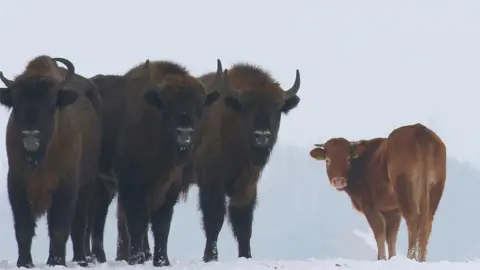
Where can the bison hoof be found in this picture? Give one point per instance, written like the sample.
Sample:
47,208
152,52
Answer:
138,258
55,260
161,261
25,264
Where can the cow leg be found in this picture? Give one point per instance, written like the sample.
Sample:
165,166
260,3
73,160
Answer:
377,223
136,216
102,202
212,204
123,238
24,223
161,220
409,208
59,219
392,220
78,229
241,219
88,250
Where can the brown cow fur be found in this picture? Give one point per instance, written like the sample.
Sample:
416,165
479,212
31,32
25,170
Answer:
66,167
226,163
402,175
147,156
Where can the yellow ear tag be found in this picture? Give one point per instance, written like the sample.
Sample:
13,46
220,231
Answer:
355,156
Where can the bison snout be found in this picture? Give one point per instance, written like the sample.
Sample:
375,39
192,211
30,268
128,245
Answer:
339,182
184,136
31,140
262,137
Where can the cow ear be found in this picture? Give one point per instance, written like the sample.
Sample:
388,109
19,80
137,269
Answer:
65,98
211,98
357,149
233,103
318,153
152,97
290,104
6,97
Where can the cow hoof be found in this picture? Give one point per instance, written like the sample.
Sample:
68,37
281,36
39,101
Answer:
148,256
56,261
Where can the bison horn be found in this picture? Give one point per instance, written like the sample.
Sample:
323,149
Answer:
228,88
296,86
6,81
214,86
70,69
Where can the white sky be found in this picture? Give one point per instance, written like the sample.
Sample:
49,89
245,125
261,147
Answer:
366,66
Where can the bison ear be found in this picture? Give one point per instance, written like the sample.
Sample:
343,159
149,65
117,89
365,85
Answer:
211,98
6,97
290,104
357,149
152,97
233,103
65,98
318,153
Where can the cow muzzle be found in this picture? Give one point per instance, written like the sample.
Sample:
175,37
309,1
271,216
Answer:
339,182
31,140
184,137
262,137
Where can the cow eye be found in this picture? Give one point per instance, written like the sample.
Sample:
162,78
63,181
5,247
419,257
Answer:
327,160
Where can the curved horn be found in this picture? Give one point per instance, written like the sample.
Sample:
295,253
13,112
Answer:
227,88
6,81
70,69
217,83
294,89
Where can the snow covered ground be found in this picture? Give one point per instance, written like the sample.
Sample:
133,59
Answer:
393,264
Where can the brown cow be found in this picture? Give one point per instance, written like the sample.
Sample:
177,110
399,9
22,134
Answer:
53,147
236,137
161,107
386,178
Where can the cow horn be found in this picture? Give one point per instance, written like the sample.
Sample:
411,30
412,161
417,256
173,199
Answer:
228,88
70,69
320,145
296,86
6,81
218,79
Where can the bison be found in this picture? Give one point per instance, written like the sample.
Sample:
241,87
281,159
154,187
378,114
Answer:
111,89
53,147
387,178
159,107
236,137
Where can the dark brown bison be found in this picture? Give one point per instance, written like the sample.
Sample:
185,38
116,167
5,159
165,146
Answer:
53,147
386,178
236,137
112,91
157,107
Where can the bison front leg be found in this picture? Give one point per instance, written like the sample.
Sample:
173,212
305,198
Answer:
136,216
103,200
59,219
377,223
161,220
24,223
79,226
212,204
240,209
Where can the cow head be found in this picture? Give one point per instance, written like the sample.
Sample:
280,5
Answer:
260,102
181,99
338,154
34,99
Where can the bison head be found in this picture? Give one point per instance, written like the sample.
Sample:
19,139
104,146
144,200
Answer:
338,154
34,101
181,99
260,103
